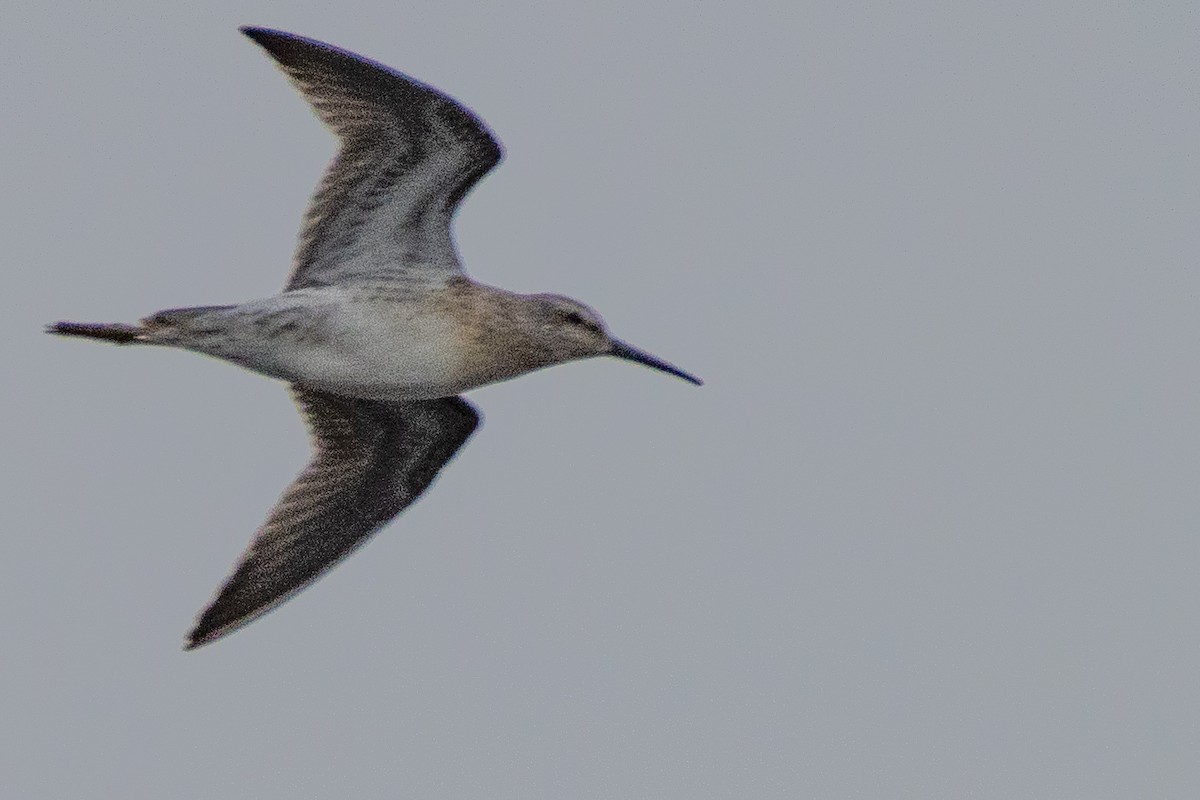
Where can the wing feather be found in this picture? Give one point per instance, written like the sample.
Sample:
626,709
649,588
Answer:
409,153
371,460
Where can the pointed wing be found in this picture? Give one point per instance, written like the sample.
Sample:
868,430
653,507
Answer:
372,459
408,156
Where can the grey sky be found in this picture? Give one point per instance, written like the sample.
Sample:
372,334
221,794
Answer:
929,530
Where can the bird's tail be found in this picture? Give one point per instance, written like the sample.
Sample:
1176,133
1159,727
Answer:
174,326
115,332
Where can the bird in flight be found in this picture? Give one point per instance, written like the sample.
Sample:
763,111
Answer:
378,330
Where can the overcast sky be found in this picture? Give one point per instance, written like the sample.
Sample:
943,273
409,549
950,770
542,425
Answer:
929,530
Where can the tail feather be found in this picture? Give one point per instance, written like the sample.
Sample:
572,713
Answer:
116,332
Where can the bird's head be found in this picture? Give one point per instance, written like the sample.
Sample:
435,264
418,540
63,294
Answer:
569,330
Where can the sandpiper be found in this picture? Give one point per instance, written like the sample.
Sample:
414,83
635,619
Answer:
378,329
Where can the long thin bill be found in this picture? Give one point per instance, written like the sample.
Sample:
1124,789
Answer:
630,353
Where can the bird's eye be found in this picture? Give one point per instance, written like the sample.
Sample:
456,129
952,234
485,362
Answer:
576,319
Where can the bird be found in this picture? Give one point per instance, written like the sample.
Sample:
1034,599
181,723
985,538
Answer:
378,331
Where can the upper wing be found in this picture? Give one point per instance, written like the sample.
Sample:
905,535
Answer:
409,153
372,460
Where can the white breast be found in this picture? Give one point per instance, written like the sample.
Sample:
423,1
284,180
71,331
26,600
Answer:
387,350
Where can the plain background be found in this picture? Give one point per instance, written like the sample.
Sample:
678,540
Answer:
929,530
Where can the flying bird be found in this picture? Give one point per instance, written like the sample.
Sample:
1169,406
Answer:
378,330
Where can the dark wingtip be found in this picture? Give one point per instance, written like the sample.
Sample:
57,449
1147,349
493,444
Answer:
281,44
259,34
193,642
215,622
204,632
271,40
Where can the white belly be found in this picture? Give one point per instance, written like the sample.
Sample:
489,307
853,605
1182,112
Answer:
379,354
327,339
